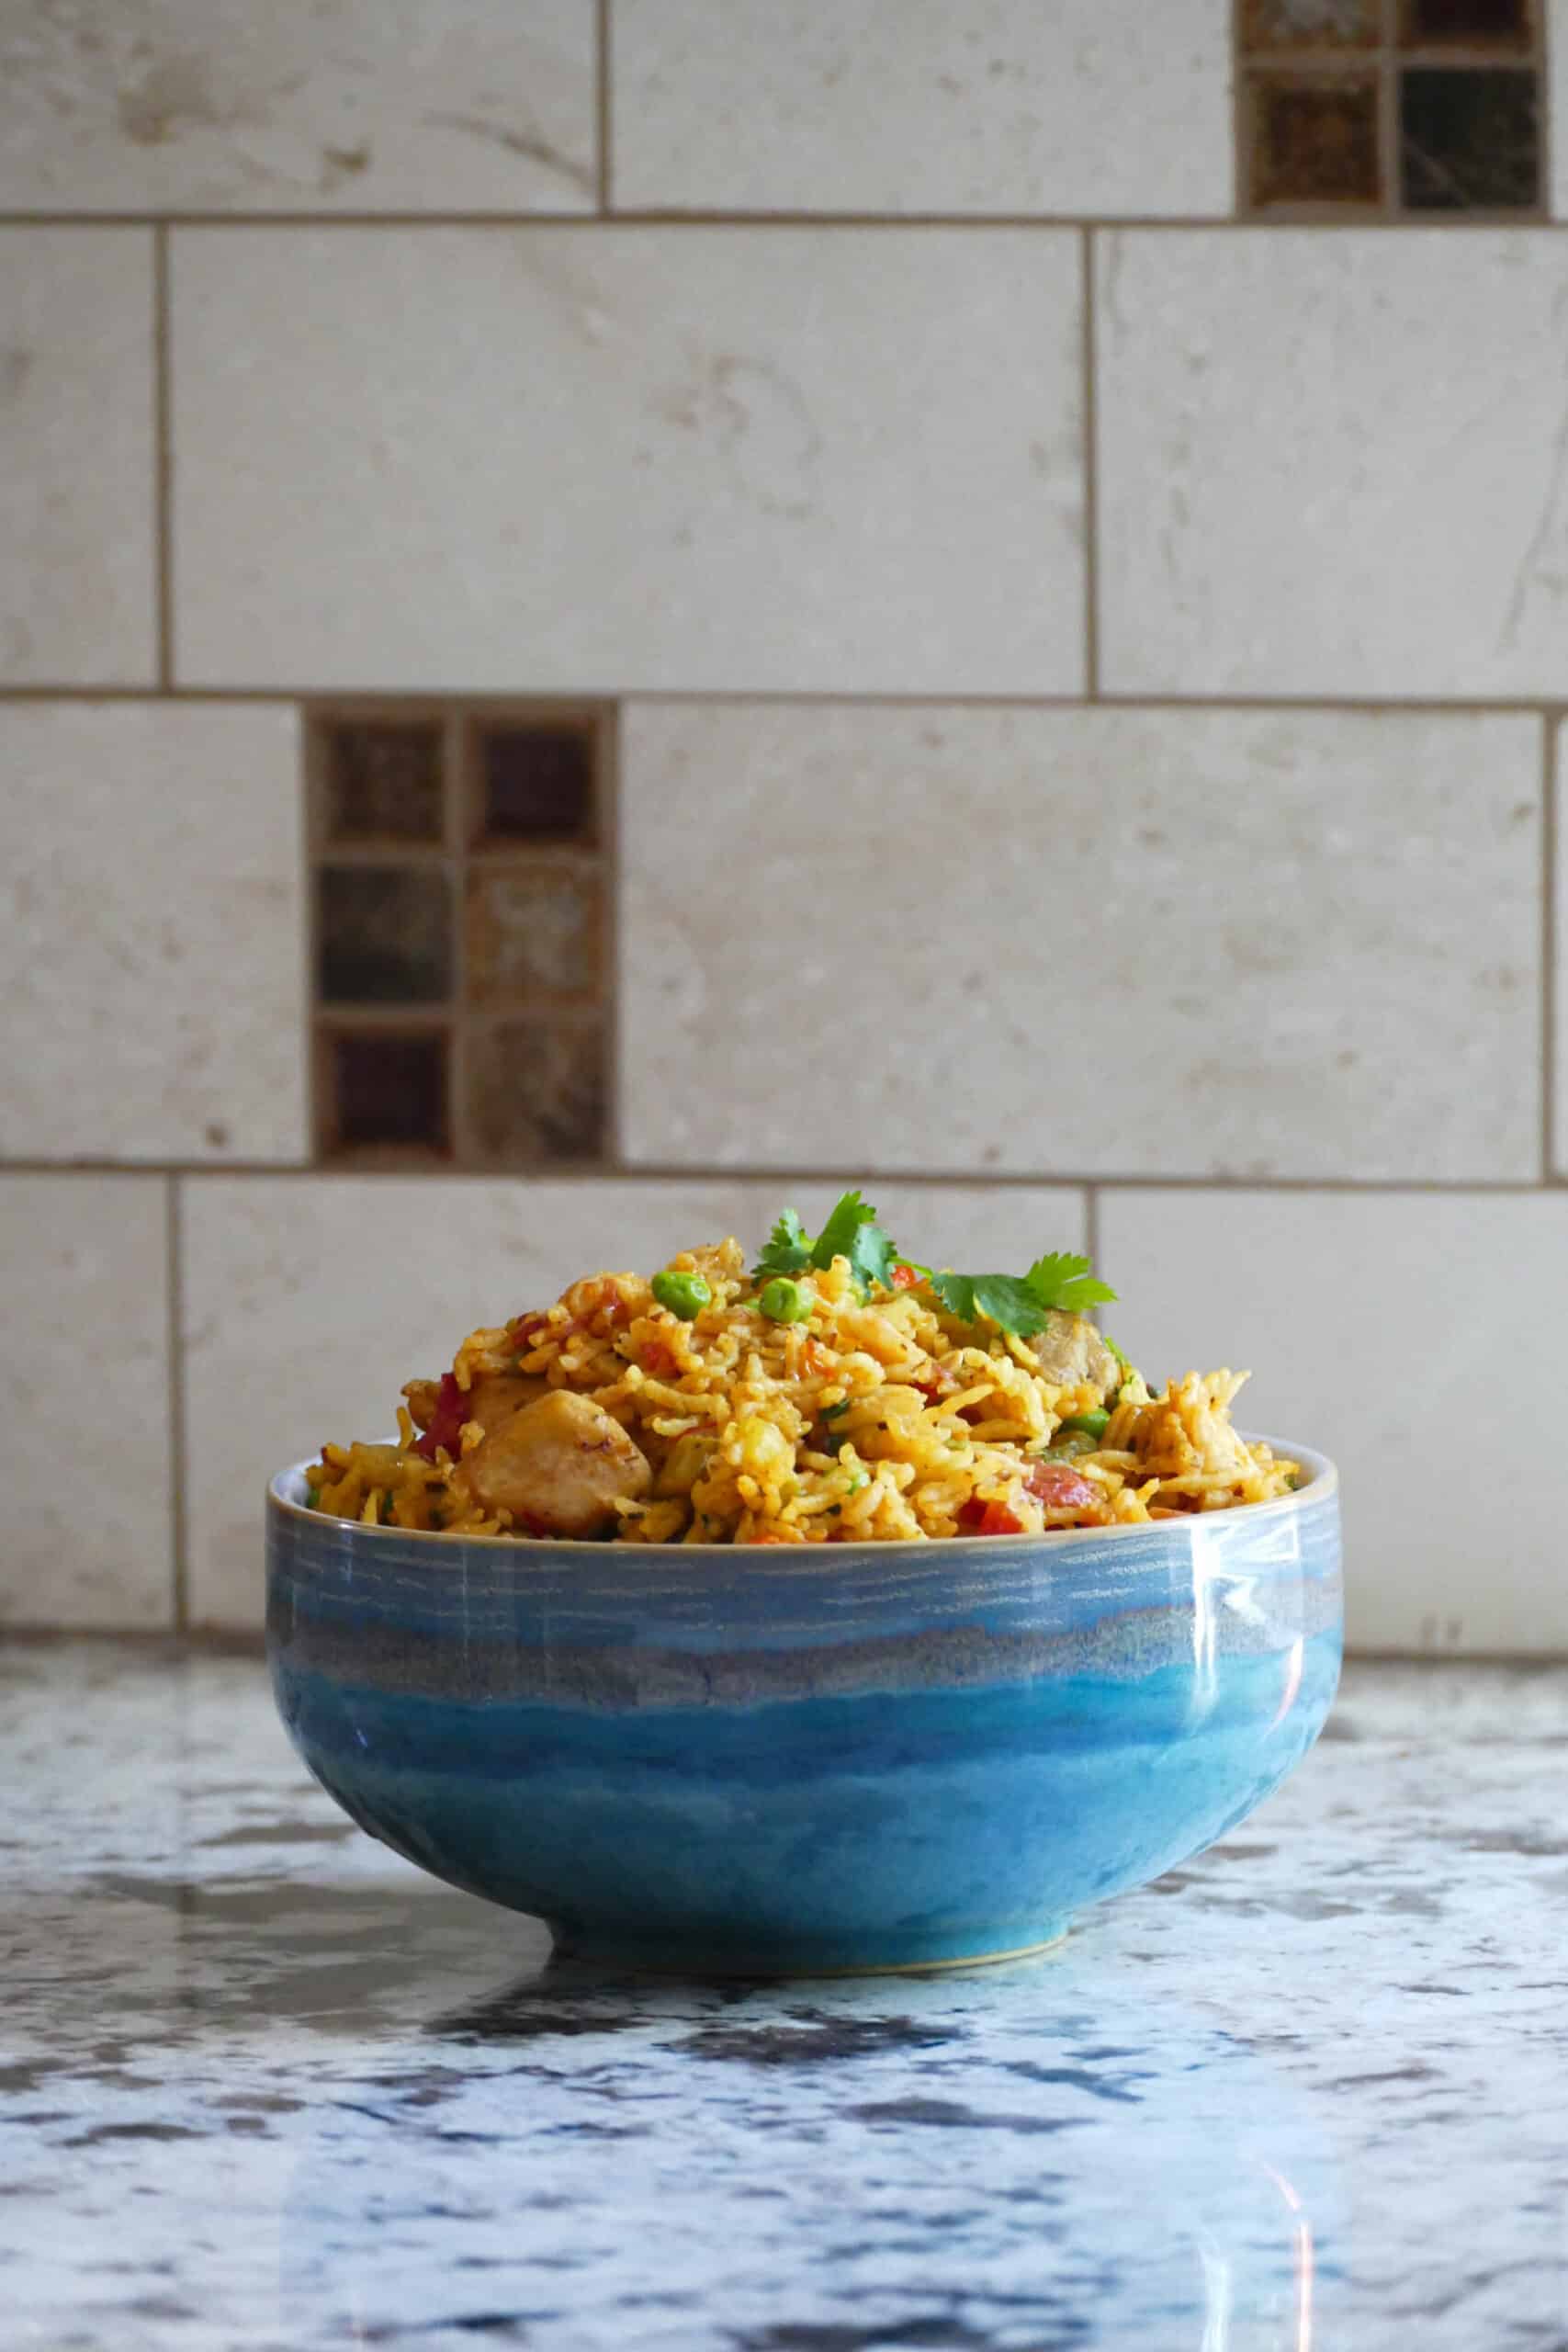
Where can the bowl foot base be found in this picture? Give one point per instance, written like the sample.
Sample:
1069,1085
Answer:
639,1955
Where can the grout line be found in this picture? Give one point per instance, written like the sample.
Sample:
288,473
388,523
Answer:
709,1172
526,701
602,101
612,971
1549,951
162,460
1386,65
1090,432
1241,103
179,1564
1454,224
1091,1224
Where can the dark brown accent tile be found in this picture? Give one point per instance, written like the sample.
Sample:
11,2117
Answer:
387,1089
384,934
536,1092
1468,139
537,781
1311,24
531,928
383,780
1475,24
1313,140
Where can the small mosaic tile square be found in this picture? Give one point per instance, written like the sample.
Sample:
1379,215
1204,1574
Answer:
1314,139
383,781
536,1093
1311,24
1476,24
387,1090
384,934
537,782
1468,139
532,928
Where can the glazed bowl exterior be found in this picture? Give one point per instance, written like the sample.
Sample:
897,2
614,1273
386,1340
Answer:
773,1761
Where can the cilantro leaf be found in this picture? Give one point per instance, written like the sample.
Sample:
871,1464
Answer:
839,1234
873,1256
1059,1282
1064,1281
1002,1298
788,1248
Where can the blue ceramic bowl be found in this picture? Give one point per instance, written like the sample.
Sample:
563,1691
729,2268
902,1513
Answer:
775,1762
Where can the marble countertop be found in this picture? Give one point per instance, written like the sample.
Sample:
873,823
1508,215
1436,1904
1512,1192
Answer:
263,2086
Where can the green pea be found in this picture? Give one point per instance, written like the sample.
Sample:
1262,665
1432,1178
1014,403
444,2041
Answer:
1094,1423
782,1301
312,1498
684,1294
1067,1449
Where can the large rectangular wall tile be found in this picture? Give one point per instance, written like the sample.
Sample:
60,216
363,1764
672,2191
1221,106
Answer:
1332,465
1082,942
84,1278
362,105
294,1333
568,459
931,106
152,932
1415,1337
78,589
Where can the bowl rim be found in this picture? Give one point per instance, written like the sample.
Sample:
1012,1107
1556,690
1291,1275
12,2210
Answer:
1323,1483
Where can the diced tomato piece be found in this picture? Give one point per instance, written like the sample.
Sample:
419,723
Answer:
1060,1489
525,1331
658,1359
989,1518
935,1383
904,1277
446,1422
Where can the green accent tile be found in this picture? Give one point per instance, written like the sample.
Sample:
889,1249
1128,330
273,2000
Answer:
383,934
1468,139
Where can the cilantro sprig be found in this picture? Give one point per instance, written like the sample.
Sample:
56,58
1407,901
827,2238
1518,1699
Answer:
1060,1282
851,1232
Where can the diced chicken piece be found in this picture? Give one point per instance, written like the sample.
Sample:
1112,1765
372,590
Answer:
1070,1350
495,1396
558,1466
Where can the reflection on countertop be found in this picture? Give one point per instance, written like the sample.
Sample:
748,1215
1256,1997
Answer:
264,2086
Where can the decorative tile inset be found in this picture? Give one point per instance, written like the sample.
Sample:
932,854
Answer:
536,1093
1311,24
1468,139
462,872
1314,139
388,1087
532,927
1478,24
383,780
536,782
384,934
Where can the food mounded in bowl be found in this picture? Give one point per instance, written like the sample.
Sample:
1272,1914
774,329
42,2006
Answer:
835,1614
791,1759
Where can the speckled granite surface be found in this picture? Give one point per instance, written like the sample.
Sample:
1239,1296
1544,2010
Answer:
263,2086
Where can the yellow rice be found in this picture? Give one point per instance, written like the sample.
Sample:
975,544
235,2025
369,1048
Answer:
878,1418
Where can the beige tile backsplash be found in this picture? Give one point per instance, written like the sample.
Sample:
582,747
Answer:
1328,464
1084,675
78,571
1300,944
930,106
832,460
302,106
85,1277
152,932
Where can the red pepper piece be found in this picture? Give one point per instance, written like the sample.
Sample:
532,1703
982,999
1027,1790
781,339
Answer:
446,1422
1060,1489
